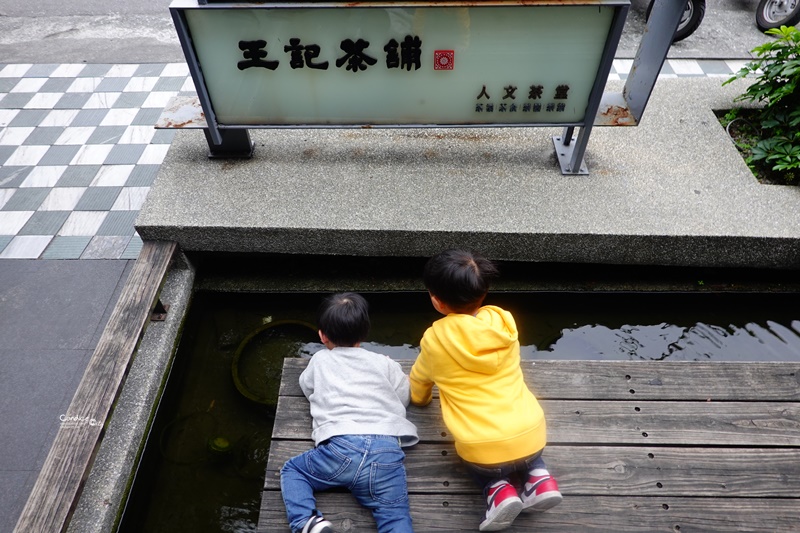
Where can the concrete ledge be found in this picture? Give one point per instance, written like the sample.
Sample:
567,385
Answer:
106,488
672,191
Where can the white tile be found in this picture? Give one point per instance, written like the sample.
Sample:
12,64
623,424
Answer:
59,117
67,70
119,117
43,176
153,154
75,135
5,194
12,221
14,136
101,101
667,76
140,84
614,77
175,69
83,223
121,71
27,156
43,101
26,247
158,99
84,85
6,116
28,85
188,86
623,66
62,199
686,67
130,199
736,64
137,135
112,176
15,71
92,154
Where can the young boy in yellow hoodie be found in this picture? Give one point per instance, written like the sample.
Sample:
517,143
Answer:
472,355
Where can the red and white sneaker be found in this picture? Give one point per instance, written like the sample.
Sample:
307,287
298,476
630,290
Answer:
503,506
540,492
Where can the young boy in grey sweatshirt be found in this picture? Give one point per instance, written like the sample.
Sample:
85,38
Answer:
358,405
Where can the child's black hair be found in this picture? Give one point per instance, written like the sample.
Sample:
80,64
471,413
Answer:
344,318
459,278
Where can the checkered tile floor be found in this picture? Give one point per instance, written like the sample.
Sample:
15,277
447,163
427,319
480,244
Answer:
79,152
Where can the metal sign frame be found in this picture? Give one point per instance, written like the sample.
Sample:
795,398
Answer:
233,140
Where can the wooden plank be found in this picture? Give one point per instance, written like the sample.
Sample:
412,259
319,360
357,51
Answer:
622,380
449,512
70,456
607,471
613,422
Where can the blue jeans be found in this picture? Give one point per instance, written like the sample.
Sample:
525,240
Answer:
370,466
515,471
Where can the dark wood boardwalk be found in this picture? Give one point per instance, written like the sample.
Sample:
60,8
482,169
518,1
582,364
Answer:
636,446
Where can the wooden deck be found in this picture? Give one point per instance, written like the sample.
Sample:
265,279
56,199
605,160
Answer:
636,446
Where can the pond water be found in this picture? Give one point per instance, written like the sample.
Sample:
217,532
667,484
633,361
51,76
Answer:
204,463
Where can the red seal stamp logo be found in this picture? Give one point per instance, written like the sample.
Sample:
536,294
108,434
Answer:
443,59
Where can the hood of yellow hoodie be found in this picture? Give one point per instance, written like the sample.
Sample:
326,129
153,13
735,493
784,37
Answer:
478,343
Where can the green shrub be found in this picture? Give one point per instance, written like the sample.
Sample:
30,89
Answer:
777,76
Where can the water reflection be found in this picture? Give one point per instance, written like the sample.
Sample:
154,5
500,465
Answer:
701,342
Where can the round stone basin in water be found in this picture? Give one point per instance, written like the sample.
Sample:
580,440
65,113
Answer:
204,463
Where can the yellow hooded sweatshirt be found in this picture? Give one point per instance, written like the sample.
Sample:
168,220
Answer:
474,360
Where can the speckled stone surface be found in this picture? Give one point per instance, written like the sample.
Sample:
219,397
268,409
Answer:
671,191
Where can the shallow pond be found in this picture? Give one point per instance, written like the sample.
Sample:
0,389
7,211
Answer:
204,464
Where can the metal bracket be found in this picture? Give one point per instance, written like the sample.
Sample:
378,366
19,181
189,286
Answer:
159,313
235,143
565,146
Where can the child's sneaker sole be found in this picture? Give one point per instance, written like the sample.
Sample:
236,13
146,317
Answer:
544,501
503,515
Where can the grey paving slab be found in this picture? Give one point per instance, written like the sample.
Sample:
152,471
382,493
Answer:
78,176
54,305
169,84
133,248
15,100
41,70
89,117
45,135
55,85
130,100
59,155
72,101
15,485
26,199
98,199
119,223
146,117
4,240
44,223
28,117
112,84
62,247
125,154
150,70
36,388
5,153
106,135
142,175
11,177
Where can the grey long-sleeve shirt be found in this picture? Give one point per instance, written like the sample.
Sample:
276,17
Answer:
353,391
